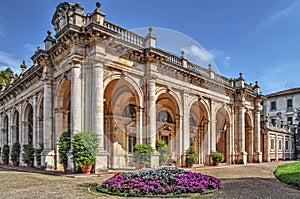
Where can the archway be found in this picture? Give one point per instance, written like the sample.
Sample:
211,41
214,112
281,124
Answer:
122,121
28,124
15,127
198,121
40,121
249,137
223,133
168,124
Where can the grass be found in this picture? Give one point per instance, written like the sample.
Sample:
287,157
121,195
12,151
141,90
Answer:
289,174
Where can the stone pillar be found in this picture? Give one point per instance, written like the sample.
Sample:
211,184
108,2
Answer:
207,142
76,78
47,161
139,125
180,153
185,123
257,148
34,123
243,153
98,116
213,128
276,148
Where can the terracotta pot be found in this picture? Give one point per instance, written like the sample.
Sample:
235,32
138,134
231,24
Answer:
86,169
5,163
141,166
65,168
217,163
15,163
191,165
29,164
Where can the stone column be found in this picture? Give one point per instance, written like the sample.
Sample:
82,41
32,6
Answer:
258,153
243,153
180,159
276,148
207,142
47,161
98,116
76,79
185,123
139,125
213,128
1,136
34,123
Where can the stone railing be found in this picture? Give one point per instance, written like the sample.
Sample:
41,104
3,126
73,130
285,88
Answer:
222,79
198,69
125,35
248,87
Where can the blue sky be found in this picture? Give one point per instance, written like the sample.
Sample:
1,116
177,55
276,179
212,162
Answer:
257,37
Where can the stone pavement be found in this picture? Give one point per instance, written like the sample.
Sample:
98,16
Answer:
239,181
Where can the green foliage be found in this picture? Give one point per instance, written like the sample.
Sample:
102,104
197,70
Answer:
38,154
85,148
289,174
191,155
142,154
28,153
5,76
15,151
162,148
5,153
64,147
217,157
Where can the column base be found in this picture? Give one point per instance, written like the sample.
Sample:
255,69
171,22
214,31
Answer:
242,158
155,159
101,162
48,159
258,157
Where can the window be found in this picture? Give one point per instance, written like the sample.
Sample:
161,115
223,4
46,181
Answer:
164,116
290,120
131,143
280,145
166,139
193,121
287,145
290,103
272,144
273,121
273,105
129,111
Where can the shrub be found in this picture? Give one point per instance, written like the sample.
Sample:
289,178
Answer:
85,148
142,154
5,153
15,151
162,148
64,147
28,153
191,155
217,157
38,154
162,181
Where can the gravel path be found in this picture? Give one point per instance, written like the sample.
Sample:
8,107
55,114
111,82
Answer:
251,181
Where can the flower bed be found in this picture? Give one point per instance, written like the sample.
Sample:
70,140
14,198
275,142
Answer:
162,181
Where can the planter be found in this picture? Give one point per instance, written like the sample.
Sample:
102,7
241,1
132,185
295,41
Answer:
15,163
86,169
65,168
5,163
190,165
217,163
141,166
29,164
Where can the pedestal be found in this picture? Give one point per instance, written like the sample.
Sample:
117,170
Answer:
101,162
258,157
155,160
48,160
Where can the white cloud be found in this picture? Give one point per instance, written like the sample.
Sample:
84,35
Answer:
9,60
197,53
32,47
279,15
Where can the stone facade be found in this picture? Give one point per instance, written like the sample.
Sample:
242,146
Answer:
97,76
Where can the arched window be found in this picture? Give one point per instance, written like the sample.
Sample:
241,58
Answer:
164,116
192,121
129,111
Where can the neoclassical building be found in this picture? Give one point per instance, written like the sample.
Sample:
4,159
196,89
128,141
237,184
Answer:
96,76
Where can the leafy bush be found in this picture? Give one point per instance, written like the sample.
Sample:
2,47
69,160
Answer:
142,154
64,147
5,153
162,181
191,155
217,157
38,154
85,148
28,153
15,151
162,148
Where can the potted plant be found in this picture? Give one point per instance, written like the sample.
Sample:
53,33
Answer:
85,148
64,144
162,148
142,155
28,154
15,153
217,157
38,154
191,156
5,154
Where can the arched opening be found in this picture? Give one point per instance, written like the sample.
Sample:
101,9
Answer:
198,130
167,124
223,133
249,137
5,130
40,125
28,124
15,127
121,125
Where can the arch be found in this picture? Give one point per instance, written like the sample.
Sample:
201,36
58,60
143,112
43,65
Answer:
223,129
63,94
174,95
28,124
203,103
121,125
15,127
249,136
198,135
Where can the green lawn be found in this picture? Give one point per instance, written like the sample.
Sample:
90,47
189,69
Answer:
289,174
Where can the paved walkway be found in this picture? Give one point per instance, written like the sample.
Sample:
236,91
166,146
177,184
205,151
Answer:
251,181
